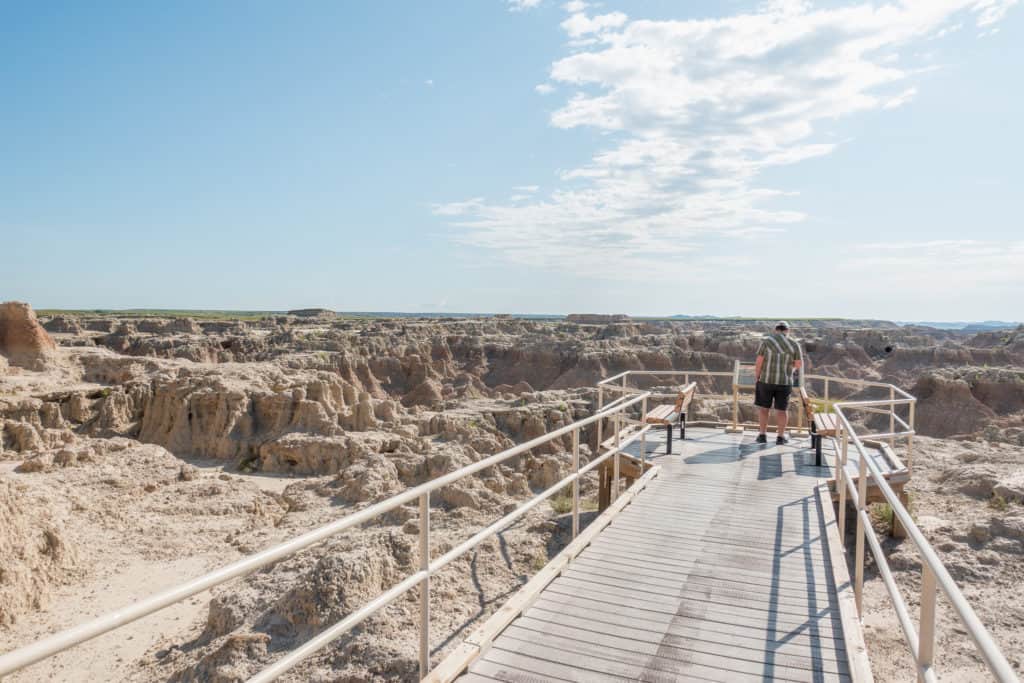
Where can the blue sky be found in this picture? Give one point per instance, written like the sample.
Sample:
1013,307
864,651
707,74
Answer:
760,158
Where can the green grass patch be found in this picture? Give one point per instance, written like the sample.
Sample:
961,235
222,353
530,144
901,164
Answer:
997,502
824,405
881,516
561,502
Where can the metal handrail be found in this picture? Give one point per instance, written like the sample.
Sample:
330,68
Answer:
41,649
933,573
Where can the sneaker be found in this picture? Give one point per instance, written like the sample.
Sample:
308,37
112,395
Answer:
761,438
781,441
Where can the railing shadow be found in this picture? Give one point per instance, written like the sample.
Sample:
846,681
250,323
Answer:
819,607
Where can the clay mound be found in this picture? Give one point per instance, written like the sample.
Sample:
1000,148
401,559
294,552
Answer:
428,393
946,407
22,339
34,553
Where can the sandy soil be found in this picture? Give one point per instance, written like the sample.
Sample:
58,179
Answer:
114,656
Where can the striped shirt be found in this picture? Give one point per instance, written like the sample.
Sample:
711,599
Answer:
779,352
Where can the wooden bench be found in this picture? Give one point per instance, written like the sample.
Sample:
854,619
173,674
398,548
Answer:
821,425
669,414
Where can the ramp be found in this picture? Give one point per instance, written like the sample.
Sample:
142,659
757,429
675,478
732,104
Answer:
721,569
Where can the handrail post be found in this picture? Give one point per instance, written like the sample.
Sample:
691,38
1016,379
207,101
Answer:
425,585
643,434
826,388
615,475
576,483
926,639
910,438
862,495
600,405
841,483
892,416
735,407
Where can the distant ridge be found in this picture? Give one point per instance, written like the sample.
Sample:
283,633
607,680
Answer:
982,326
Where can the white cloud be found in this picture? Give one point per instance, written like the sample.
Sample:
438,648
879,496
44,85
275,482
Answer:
545,89
939,265
901,99
429,82
579,24
992,11
521,5
694,110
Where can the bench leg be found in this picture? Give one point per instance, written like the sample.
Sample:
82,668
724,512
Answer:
816,438
604,489
668,438
898,530
682,425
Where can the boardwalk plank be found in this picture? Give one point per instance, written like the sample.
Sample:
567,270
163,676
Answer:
617,618
676,648
691,587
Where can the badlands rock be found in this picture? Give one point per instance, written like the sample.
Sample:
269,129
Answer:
22,339
63,325
946,407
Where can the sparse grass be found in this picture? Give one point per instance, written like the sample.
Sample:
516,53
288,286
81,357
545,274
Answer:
823,405
997,502
561,502
539,562
881,516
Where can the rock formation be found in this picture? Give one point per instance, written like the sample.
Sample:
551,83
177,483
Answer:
22,339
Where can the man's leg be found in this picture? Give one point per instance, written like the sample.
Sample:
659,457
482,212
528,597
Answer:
763,417
781,416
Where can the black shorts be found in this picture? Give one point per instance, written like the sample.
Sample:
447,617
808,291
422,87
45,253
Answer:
765,395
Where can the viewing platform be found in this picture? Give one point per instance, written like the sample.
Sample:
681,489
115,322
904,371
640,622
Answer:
725,566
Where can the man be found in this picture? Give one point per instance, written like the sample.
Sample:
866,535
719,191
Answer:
777,358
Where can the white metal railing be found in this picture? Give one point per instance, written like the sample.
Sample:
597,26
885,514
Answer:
41,649
934,575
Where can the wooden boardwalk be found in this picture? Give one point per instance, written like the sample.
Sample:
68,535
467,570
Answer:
719,570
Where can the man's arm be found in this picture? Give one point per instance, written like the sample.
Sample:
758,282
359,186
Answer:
757,368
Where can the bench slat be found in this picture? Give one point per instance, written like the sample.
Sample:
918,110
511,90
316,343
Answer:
825,423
